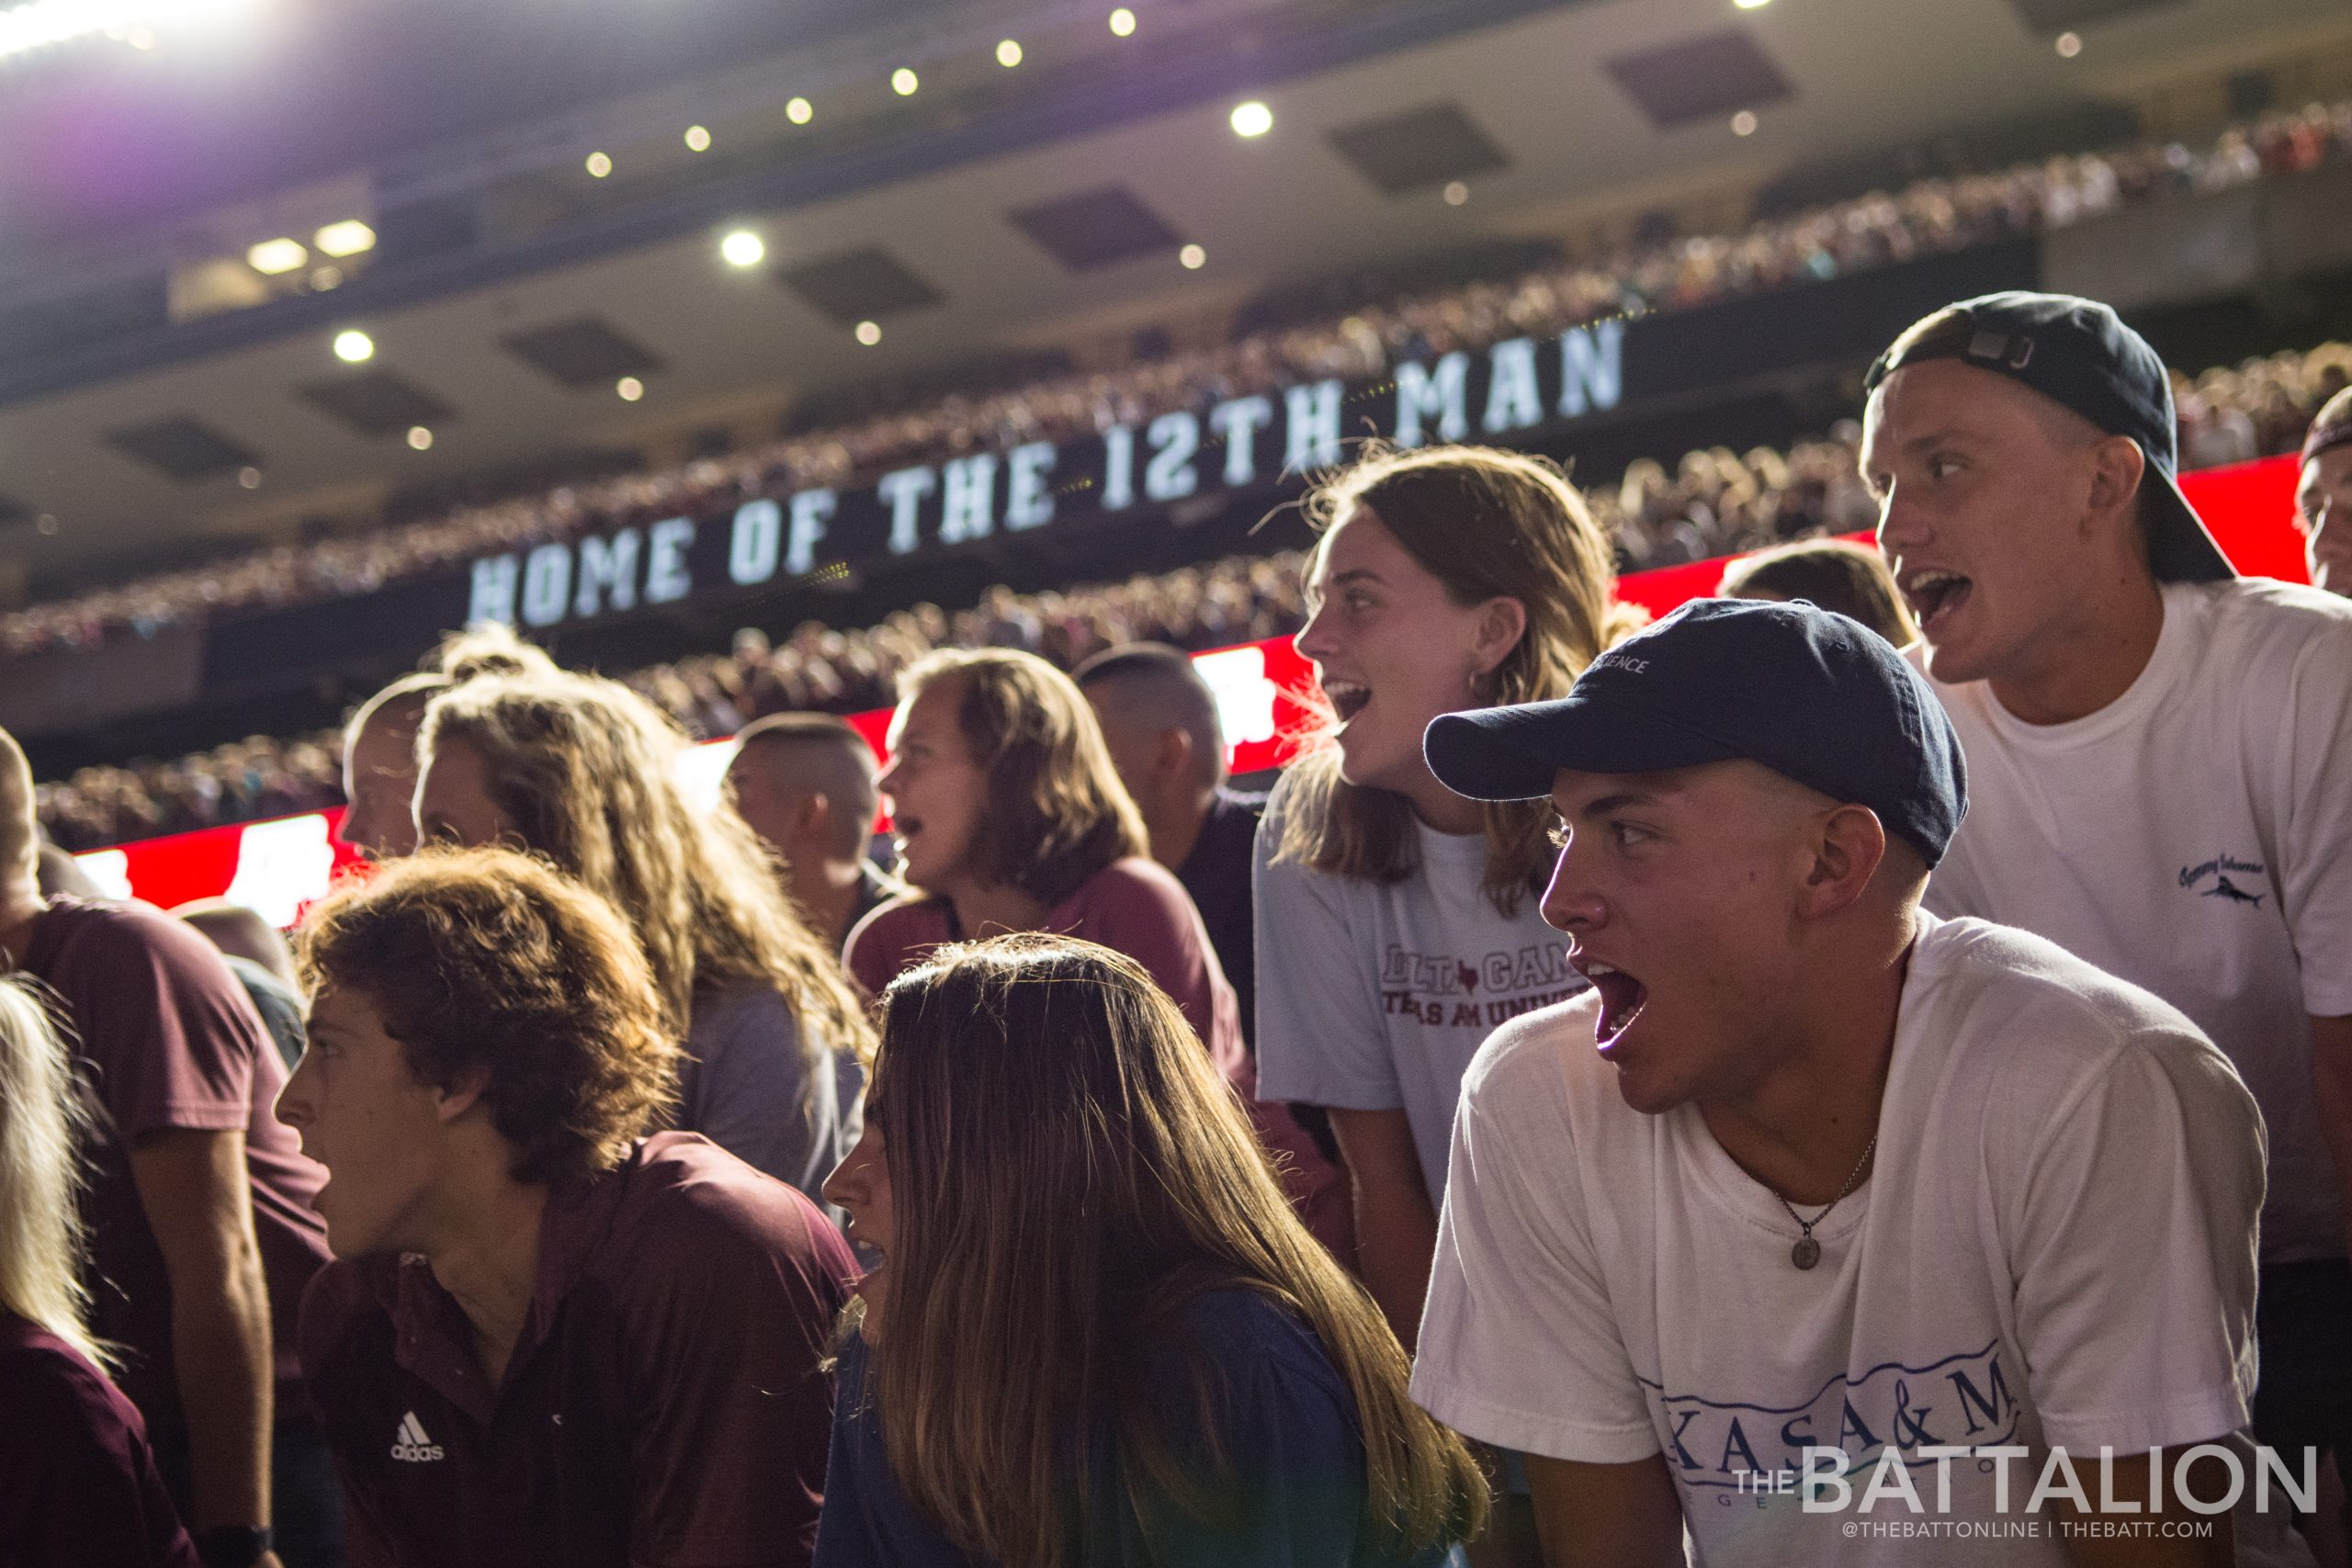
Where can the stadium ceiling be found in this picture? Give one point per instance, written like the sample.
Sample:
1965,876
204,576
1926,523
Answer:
965,242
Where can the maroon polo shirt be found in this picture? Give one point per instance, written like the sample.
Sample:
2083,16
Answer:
77,1484
664,1404
164,1036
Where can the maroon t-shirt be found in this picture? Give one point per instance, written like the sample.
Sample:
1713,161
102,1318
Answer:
77,1484
664,1403
165,1037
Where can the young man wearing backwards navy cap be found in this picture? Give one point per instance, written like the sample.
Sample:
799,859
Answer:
1812,1179
2160,752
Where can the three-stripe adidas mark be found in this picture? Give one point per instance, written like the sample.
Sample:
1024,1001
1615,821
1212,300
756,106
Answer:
408,1442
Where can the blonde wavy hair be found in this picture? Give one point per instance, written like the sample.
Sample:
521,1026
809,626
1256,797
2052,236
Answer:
585,769
1068,1171
1486,524
42,1120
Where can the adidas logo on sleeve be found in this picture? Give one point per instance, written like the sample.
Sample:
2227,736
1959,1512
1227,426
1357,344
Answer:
408,1442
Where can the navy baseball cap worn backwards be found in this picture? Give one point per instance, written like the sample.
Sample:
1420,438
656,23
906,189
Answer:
2079,354
1810,695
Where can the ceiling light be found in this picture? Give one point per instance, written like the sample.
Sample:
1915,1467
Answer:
273,256
629,387
419,439
250,478
1193,258
1123,22
1252,119
800,111
325,277
742,248
1751,4
868,334
1456,192
904,82
599,166
1744,123
352,345
41,22
2069,45
1008,54
347,238
697,139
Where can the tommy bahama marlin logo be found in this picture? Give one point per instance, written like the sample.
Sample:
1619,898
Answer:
2219,869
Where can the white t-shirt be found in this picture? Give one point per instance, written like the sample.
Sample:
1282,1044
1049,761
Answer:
2055,1245
1374,997
2194,836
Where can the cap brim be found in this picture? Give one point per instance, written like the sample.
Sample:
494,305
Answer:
1516,753
2179,548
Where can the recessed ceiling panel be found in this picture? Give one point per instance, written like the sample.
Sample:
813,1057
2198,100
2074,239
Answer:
377,402
584,352
858,285
2057,15
182,447
1096,228
1417,149
1700,78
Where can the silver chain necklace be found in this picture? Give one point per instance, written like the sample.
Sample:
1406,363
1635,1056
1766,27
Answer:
1807,1251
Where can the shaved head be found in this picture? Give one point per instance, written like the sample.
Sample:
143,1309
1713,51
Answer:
1158,688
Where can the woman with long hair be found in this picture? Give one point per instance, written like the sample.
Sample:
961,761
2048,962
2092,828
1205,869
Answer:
583,771
1096,1335
77,1484
1397,922
1011,818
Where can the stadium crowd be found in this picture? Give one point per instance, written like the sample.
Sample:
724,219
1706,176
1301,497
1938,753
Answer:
1468,1152
1628,277
1712,503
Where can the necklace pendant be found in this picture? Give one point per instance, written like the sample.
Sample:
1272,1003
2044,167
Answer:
1805,1253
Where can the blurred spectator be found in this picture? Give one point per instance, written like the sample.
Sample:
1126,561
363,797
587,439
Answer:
806,784
2323,496
1942,213
1835,574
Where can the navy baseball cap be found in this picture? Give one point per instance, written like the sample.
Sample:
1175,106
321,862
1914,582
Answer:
1810,695
2079,354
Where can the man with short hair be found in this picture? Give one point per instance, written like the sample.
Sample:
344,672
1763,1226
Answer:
2323,496
198,1205
2160,751
806,784
547,1337
1812,1180
1160,721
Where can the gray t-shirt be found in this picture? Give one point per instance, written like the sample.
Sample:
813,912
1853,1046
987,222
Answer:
743,1088
1373,998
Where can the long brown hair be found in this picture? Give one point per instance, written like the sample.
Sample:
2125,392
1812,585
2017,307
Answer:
1067,1171
586,771
1486,524
1056,812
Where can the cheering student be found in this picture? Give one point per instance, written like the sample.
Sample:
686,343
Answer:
806,784
584,771
2323,496
77,1484
1397,922
547,1337
379,740
1097,1335
1811,1169
2161,752
197,1210
1010,818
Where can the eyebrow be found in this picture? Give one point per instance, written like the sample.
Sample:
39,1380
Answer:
1356,574
1616,802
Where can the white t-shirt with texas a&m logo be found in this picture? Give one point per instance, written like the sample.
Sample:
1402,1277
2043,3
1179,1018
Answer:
2194,836
2054,1247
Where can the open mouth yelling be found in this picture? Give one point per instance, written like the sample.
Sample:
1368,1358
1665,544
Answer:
1347,698
1623,998
1934,595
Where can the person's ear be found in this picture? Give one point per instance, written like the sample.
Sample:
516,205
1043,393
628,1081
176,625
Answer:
811,818
1845,845
1173,758
2119,470
462,1096
1502,621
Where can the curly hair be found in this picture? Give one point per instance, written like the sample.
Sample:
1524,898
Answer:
586,771
1055,812
490,960
1485,523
